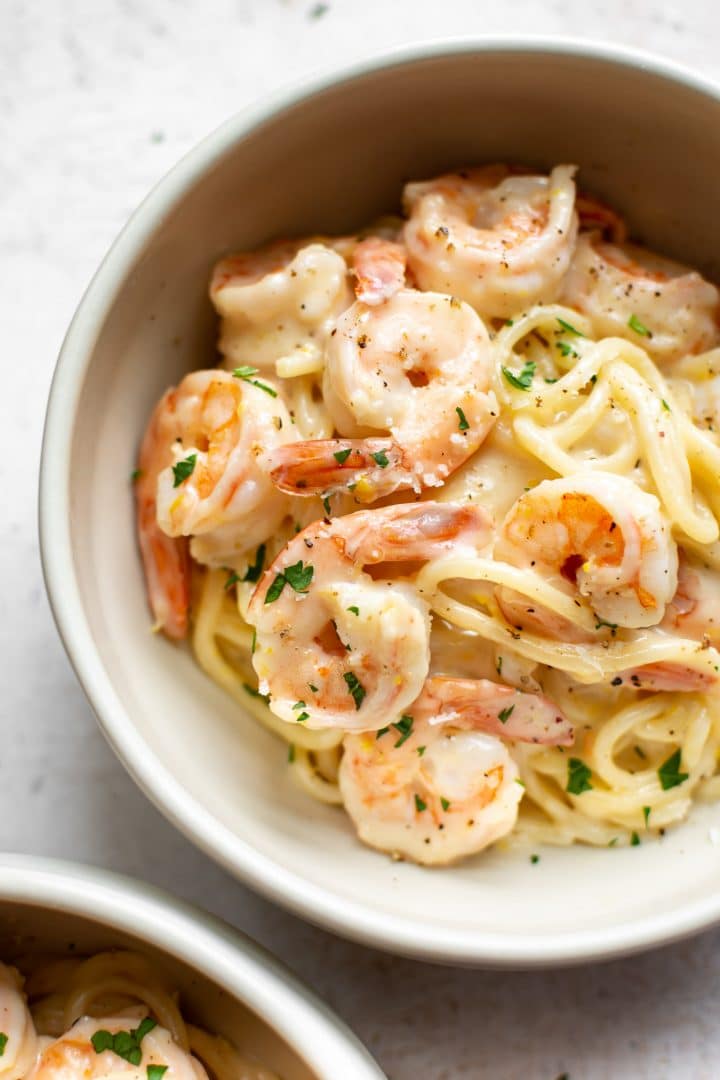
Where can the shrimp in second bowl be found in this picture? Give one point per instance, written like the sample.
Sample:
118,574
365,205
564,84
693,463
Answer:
417,366
628,292
496,238
201,475
122,1047
19,1043
439,784
601,535
335,648
279,303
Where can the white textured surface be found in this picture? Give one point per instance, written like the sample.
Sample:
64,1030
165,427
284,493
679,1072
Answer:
97,100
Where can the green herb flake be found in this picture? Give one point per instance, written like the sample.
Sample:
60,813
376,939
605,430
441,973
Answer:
549,381
578,779
599,623
421,750
246,374
135,475
566,350
299,576
341,456
183,470
523,381
420,804
318,11
669,772
445,803
498,665
355,610
509,322
634,839
253,643
639,328
313,688
254,571
505,714
640,752
356,688
253,692
380,459
275,589
156,1072
291,753
299,705
3,1042
569,328
232,579
665,405
326,505
462,419
534,859
646,814
404,725
102,1040
302,718
382,731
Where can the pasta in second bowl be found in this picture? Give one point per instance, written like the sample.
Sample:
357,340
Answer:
568,401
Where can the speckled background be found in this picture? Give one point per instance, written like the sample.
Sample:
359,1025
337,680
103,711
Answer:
97,100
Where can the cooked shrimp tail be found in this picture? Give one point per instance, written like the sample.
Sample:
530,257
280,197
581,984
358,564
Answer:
369,468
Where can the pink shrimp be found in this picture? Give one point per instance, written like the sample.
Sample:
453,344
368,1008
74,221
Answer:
379,269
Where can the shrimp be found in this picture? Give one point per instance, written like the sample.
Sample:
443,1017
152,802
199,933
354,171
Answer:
438,784
499,240
201,475
379,269
20,1045
73,1056
600,534
335,648
419,366
279,303
631,293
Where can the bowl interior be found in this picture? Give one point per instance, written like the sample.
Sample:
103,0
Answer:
327,163
29,930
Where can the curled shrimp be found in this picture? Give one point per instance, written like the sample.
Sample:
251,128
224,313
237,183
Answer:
632,293
419,367
335,648
499,240
73,1056
20,1044
201,475
438,784
279,303
598,534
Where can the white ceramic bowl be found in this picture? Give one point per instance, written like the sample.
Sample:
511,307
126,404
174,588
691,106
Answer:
327,157
228,983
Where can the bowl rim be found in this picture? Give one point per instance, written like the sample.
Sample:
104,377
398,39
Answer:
398,934
205,943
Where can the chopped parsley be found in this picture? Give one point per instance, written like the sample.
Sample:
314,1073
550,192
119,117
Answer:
421,750
302,717
599,623
498,665
135,475
523,381
341,456
639,328
505,714
299,705
380,459
156,1072
569,328
232,579
665,405
255,693
445,803
183,469
3,1042
355,687
534,859
669,772
291,753
382,731
634,839
313,688
254,571
298,577
646,814
549,380
326,505
355,610
253,643
579,775
566,350
462,421
420,805
404,725
126,1044
246,374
